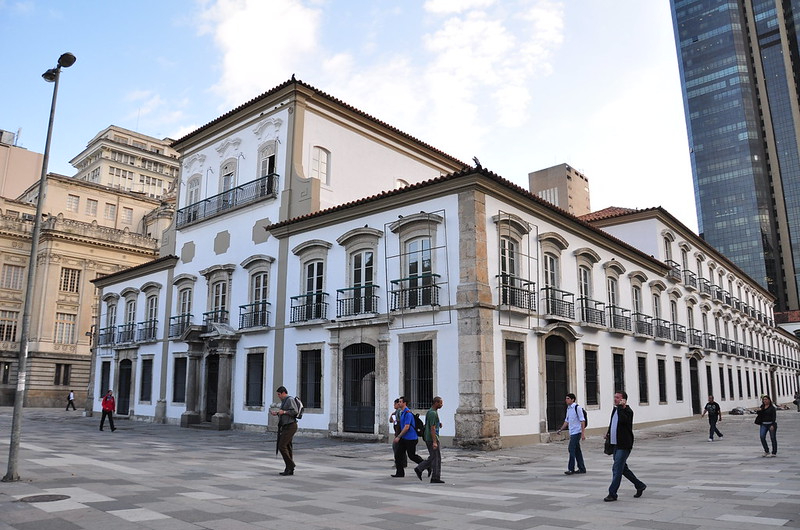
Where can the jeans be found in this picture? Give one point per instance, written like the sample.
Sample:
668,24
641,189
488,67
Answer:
712,422
575,453
619,470
772,435
434,461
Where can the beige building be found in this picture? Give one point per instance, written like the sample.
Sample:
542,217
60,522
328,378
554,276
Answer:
88,230
129,161
19,168
563,186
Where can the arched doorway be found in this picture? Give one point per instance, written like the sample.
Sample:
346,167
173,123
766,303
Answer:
556,380
359,388
212,382
124,388
694,381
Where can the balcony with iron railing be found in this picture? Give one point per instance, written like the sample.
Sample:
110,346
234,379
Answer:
179,323
678,333
255,315
710,341
219,316
695,337
147,331
662,329
619,318
592,311
251,192
310,306
415,291
723,345
690,279
360,300
748,352
105,336
642,324
557,303
706,287
727,299
517,292
126,333
737,304
674,272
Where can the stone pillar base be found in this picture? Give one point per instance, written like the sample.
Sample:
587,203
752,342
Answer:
161,411
478,430
221,421
190,418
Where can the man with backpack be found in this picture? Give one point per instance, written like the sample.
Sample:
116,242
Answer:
576,422
434,462
406,441
287,426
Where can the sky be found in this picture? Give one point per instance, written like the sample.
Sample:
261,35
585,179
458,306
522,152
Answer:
520,84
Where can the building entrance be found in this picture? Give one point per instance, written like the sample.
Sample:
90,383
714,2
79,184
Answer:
359,388
212,381
556,380
124,392
694,381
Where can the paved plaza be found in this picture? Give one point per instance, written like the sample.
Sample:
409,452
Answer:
164,477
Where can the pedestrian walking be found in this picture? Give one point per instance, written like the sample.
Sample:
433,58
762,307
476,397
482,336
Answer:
70,400
575,421
766,419
434,462
714,415
287,427
395,421
109,407
620,434
797,400
407,439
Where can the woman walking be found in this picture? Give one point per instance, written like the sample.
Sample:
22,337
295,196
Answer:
765,417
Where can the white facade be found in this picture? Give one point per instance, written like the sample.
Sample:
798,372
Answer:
461,286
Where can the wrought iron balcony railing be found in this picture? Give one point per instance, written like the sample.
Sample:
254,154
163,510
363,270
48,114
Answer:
254,191
254,315
106,336
723,345
619,318
705,287
126,333
147,331
592,311
695,337
675,270
662,328
710,341
678,333
179,323
220,316
643,324
415,291
360,300
690,279
556,302
310,306
517,292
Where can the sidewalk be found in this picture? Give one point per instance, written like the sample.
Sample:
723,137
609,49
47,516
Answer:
164,477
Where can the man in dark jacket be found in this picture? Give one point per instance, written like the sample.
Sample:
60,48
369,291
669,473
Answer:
620,433
714,416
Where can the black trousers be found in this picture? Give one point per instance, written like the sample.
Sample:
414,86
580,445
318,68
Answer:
285,437
110,415
405,448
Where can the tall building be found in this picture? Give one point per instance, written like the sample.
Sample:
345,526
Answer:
129,161
562,185
738,63
19,168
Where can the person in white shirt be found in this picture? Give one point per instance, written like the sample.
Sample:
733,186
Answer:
576,422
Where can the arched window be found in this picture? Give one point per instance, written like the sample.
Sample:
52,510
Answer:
320,164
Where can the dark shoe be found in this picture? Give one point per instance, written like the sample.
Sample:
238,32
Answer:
437,481
580,472
101,428
397,476
610,498
114,429
569,472
429,472
286,473
419,473
639,491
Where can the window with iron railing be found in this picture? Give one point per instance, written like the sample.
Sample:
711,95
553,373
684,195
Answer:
710,341
592,311
126,333
705,287
558,303
675,270
358,300
517,292
642,324
662,328
678,333
690,279
179,323
254,315
220,316
311,306
262,188
695,337
415,291
105,336
147,331
619,318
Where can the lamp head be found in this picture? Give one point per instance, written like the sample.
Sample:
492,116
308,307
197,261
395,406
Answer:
66,60
50,75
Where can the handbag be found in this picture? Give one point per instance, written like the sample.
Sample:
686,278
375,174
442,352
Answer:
608,448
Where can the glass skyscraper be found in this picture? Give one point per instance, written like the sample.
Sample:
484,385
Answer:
739,66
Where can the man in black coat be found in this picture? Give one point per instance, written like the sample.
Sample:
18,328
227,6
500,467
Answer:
620,433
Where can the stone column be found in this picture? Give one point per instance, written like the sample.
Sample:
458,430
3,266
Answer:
192,416
221,420
336,385
477,420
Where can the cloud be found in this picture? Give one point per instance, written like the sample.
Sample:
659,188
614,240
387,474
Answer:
455,6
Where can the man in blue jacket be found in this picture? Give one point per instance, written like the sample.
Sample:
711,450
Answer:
406,441
620,433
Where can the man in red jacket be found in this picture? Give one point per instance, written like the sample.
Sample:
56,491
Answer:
109,406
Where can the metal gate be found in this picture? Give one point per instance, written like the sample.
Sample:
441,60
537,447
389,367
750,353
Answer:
694,381
556,374
124,393
359,388
212,380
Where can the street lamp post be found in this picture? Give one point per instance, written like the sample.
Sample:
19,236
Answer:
51,75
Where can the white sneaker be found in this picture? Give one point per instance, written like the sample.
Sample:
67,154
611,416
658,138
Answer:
710,439
772,456
765,455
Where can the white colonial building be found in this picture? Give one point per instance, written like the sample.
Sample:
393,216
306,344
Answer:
318,248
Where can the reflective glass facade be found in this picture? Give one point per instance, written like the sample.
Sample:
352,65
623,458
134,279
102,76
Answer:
741,102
